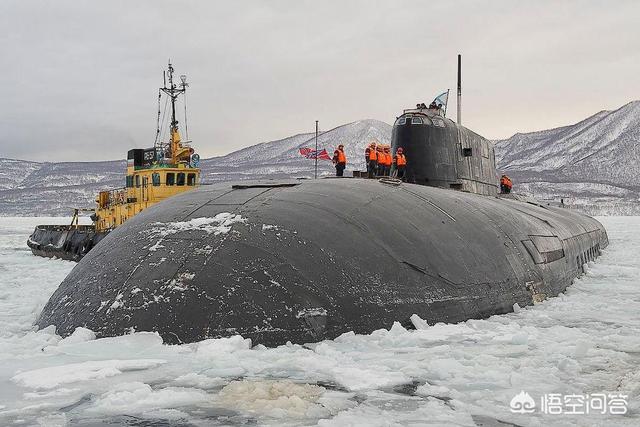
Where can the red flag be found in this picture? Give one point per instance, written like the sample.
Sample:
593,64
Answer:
324,155
311,154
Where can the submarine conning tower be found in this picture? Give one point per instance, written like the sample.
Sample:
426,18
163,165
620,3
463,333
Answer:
441,153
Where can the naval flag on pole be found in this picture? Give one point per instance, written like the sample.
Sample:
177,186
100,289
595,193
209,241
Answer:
311,154
441,100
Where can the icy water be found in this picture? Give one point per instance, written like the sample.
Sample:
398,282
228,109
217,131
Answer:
583,344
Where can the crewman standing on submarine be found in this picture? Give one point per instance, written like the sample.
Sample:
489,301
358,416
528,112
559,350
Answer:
340,160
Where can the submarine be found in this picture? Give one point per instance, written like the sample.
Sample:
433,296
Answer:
307,260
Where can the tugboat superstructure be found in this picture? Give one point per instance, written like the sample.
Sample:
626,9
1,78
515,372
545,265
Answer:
153,174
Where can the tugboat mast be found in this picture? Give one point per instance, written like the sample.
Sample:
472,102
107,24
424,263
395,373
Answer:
173,91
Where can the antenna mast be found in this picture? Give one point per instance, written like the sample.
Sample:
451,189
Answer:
173,91
459,116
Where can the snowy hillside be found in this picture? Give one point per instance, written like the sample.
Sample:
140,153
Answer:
277,159
594,161
14,172
31,188
591,164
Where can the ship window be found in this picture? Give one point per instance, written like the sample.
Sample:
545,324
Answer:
401,121
129,181
416,121
180,178
467,152
171,178
137,180
191,179
155,178
437,122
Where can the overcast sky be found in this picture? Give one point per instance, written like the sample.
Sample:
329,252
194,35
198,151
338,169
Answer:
80,78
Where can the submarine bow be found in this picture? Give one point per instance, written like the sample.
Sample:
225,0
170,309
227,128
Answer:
303,261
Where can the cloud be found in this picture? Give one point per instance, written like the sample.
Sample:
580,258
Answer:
80,79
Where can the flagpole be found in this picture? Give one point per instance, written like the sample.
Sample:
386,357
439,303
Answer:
315,175
447,103
458,117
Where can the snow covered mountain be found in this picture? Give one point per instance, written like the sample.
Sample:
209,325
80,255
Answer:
278,159
32,188
593,163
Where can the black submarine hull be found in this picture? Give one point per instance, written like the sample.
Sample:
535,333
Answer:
304,261
69,242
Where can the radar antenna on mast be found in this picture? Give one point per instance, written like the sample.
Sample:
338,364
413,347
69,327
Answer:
175,148
459,104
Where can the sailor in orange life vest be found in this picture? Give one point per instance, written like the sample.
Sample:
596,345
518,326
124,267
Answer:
387,161
399,161
371,159
340,160
505,184
382,161
380,155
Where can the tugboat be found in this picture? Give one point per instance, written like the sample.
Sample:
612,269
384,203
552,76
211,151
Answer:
153,174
